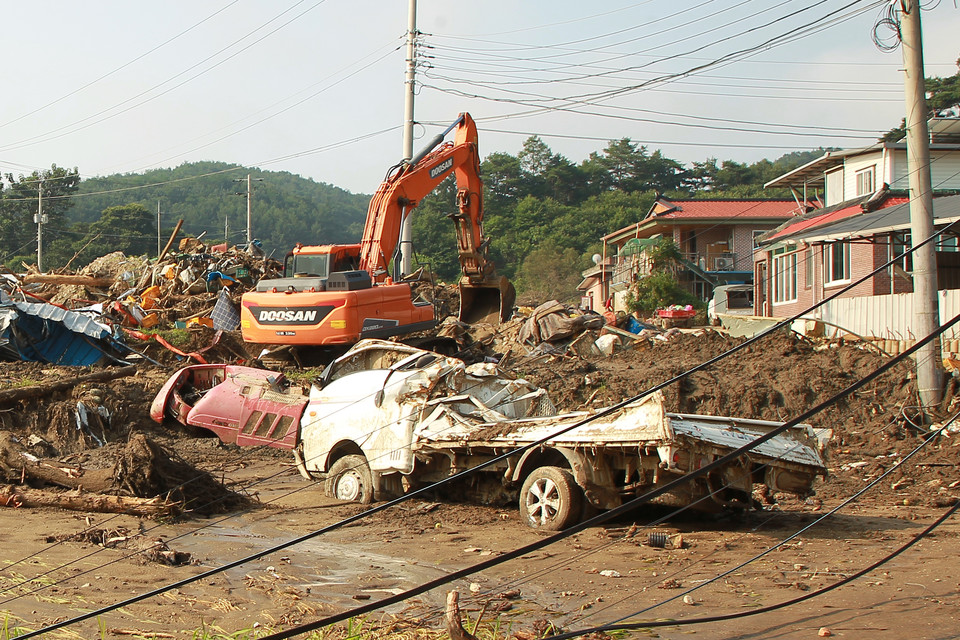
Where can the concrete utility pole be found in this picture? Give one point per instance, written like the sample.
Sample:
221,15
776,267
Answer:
159,242
926,309
39,219
406,228
249,194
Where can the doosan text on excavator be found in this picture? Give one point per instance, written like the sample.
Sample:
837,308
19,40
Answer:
335,295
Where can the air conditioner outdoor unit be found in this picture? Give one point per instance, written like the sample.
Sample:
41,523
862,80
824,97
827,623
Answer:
723,264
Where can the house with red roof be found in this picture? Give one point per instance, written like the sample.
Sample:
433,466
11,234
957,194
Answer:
716,239
857,218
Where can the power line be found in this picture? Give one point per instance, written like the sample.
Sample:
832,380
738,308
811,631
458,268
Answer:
576,528
121,67
50,135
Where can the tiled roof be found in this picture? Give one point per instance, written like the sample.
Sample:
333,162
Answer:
722,209
829,217
946,209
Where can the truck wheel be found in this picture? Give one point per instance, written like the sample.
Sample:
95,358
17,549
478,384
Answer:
350,479
550,499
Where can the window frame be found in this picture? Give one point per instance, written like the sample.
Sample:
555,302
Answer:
830,263
861,175
784,276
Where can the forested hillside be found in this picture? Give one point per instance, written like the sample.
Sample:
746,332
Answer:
544,213
119,212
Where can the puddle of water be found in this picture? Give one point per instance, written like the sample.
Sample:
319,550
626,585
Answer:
332,572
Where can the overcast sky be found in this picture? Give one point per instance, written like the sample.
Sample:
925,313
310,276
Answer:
316,87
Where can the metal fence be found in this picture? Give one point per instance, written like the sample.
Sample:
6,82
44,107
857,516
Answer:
888,317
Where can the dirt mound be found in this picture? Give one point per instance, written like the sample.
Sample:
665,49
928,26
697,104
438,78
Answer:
777,378
95,436
145,469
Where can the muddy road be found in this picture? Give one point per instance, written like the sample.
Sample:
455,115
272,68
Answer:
602,574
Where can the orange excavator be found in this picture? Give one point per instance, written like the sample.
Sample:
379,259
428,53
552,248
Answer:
333,295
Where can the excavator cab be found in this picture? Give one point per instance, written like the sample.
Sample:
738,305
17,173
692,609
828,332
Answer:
490,301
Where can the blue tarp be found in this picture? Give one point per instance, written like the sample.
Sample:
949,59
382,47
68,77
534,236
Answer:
39,332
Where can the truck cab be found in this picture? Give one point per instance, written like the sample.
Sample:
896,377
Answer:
321,260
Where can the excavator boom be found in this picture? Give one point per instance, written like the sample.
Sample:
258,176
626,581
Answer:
484,297
340,294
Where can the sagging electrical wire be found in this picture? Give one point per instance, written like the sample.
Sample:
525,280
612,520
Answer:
511,584
121,67
50,135
373,432
652,624
601,413
618,511
929,437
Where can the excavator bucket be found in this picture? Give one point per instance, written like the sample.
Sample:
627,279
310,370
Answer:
490,301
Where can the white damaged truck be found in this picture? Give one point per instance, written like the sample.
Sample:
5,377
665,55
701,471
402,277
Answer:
386,418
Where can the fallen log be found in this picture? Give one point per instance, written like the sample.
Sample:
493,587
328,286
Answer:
55,278
17,496
26,393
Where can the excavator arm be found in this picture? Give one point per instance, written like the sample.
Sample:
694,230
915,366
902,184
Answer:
483,295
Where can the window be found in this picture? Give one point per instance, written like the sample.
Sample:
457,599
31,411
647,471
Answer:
899,245
785,278
808,268
948,243
836,262
865,182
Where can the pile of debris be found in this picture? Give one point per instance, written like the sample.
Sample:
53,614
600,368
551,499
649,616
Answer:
84,318
554,329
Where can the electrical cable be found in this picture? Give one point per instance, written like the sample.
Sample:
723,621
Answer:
686,125
726,57
321,149
50,135
899,256
281,111
762,610
121,67
929,438
512,584
603,517
783,38
576,528
524,55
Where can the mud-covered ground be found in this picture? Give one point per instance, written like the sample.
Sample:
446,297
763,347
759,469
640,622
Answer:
60,563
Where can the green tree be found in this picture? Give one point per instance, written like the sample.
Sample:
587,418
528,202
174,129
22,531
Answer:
550,272
52,188
942,93
625,166
656,291
660,287
130,228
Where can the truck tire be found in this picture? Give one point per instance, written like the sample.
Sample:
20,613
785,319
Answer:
350,479
550,499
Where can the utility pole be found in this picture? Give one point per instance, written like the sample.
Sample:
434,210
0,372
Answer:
40,219
406,226
249,194
226,231
926,311
159,245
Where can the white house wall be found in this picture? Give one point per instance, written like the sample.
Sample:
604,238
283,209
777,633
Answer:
944,169
890,317
858,163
